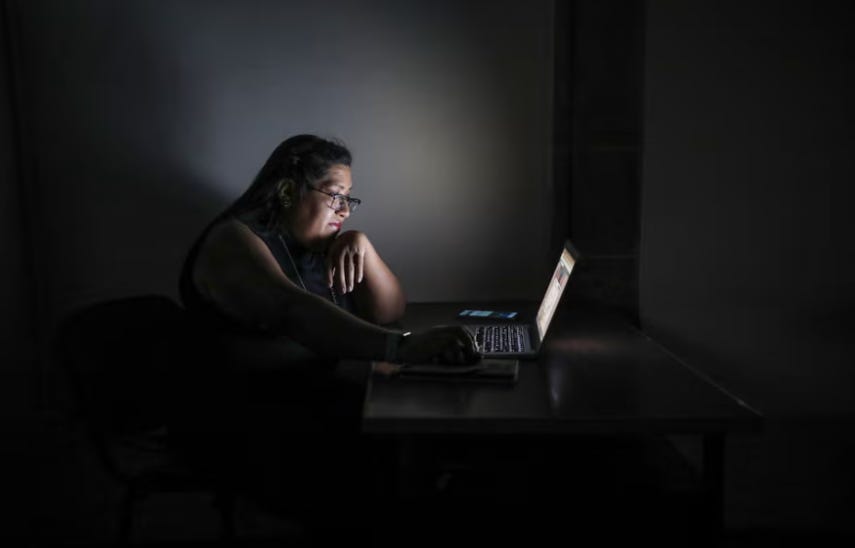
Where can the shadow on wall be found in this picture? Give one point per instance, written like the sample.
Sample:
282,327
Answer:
115,208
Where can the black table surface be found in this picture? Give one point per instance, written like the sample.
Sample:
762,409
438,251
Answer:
597,374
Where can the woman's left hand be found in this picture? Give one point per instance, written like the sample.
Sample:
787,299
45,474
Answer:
345,260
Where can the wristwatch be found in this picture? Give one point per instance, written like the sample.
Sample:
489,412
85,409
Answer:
393,341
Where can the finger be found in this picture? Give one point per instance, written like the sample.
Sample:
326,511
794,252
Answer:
464,337
472,355
471,345
330,270
361,265
351,271
460,351
341,273
466,353
468,348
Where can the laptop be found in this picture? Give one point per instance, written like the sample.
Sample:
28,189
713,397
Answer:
510,340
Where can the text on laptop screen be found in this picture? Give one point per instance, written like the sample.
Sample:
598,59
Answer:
554,292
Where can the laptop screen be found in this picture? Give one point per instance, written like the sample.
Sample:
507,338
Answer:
554,292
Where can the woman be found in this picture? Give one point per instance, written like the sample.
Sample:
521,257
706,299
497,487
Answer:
278,262
280,293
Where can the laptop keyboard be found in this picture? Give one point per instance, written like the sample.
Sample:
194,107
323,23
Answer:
501,338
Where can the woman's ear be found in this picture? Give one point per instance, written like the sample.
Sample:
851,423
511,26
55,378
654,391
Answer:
285,192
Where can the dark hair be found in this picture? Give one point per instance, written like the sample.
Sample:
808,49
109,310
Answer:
303,159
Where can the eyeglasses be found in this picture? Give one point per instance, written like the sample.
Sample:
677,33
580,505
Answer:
339,200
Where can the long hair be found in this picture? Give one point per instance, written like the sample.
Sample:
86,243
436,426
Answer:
303,159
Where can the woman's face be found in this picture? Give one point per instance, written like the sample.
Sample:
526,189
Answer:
312,222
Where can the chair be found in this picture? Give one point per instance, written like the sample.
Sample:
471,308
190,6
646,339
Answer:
118,356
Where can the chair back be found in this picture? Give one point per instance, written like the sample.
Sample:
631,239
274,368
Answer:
118,356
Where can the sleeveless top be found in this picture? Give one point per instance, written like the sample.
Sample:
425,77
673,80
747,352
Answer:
310,267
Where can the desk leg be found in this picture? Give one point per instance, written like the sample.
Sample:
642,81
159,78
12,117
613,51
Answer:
405,465
713,480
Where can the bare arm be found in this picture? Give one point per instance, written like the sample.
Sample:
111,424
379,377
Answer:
238,272
353,264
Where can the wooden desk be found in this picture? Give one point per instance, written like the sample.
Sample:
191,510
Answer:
597,375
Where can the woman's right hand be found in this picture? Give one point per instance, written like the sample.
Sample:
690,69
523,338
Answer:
451,345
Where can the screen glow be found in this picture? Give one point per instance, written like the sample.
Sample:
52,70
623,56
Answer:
554,292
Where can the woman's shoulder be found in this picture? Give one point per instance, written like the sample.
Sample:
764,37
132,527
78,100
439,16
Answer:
230,258
229,227
231,235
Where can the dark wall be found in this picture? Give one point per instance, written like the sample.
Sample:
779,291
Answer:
747,265
749,160
17,351
598,107
16,312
